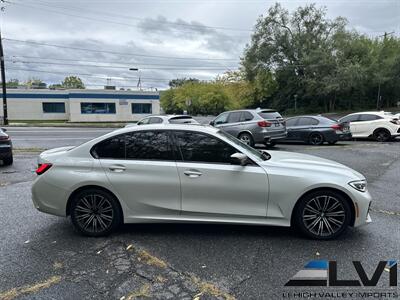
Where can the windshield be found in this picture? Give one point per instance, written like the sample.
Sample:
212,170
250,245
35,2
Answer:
263,155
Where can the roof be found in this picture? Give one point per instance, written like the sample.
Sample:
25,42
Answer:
161,126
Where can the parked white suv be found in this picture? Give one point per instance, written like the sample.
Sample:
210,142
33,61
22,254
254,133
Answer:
379,125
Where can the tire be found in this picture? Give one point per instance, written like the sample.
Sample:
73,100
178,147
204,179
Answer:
246,138
270,144
316,139
8,161
84,208
382,135
310,209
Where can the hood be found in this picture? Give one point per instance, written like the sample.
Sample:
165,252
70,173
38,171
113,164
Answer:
291,160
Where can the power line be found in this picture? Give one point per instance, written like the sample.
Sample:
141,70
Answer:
48,4
116,52
125,78
108,62
117,67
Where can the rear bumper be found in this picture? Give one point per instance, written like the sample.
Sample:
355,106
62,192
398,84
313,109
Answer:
265,137
5,150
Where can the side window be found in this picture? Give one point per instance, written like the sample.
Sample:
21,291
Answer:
222,119
155,120
246,116
291,122
153,145
144,121
113,148
314,121
367,117
352,118
304,122
200,147
234,117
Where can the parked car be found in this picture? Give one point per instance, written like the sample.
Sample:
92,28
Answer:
5,148
252,126
316,130
378,125
165,119
193,173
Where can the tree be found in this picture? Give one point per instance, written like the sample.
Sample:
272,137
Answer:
174,83
36,84
73,82
12,84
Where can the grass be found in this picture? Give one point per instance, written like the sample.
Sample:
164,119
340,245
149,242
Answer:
151,260
29,289
143,292
208,288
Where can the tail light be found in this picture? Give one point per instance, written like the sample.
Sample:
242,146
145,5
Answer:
4,137
42,168
336,127
264,124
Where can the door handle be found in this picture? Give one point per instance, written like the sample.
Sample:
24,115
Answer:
192,173
117,168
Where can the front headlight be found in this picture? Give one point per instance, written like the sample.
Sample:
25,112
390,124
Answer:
359,185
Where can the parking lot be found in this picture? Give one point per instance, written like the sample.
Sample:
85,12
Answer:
42,256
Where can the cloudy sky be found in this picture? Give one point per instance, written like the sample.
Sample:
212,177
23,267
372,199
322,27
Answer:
165,39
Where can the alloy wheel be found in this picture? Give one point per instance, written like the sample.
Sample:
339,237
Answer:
94,213
245,139
316,139
382,136
323,216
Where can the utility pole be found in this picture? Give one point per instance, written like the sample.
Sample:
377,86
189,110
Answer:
3,82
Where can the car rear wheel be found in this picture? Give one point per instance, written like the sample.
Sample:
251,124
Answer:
246,138
95,212
8,161
382,135
316,139
322,215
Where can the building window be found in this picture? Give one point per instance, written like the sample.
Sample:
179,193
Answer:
141,108
53,107
97,108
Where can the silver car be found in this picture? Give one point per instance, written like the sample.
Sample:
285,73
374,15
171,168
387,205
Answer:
165,119
253,126
194,173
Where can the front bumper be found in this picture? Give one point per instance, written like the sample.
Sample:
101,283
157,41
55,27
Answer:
362,206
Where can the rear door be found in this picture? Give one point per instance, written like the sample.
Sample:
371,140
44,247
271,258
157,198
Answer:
367,123
141,167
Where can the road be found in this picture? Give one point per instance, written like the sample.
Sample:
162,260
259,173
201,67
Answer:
42,257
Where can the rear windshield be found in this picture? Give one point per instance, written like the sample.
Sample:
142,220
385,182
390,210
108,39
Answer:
269,115
182,120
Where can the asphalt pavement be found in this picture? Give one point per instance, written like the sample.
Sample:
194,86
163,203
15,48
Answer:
42,257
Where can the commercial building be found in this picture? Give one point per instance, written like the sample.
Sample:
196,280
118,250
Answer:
80,105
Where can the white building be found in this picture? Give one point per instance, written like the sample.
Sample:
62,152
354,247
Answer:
80,105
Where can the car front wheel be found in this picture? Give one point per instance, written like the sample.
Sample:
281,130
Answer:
322,215
95,212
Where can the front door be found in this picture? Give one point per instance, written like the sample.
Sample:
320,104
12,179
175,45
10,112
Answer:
210,185
141,168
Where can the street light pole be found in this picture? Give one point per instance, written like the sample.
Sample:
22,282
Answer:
139,84
3,82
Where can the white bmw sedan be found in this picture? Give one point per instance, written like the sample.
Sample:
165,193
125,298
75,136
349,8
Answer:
194,173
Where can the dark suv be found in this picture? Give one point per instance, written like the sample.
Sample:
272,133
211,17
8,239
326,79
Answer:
5,148
253,126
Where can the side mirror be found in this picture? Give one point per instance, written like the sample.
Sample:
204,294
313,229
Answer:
3,129
212,123
239,159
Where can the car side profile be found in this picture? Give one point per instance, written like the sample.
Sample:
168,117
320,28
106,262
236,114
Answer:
316,130
377,125
252,126
165,119
194,173
6,154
